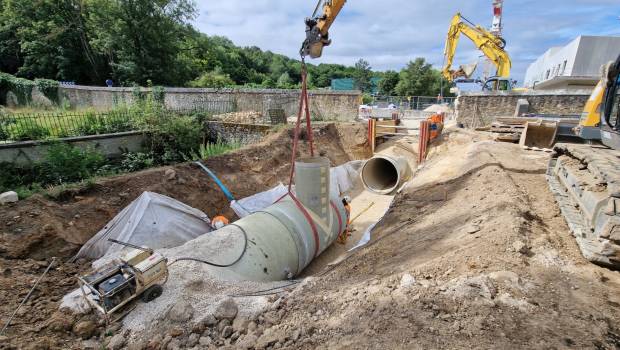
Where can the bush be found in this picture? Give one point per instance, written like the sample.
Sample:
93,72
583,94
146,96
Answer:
214,79
22,88
49,88
175,138
24,130
96,124
65,163
14,176
136,161
215,149
367,99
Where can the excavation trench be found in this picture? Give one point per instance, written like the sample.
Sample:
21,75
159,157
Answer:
38,228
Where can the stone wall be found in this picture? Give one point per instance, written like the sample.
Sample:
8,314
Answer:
325,105
475,109
244,133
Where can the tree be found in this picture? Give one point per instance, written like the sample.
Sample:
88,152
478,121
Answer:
362,75
284,81
387,84
213,79
418,78
142,37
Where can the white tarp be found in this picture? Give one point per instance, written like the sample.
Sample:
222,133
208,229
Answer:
152,220
258,201
342,179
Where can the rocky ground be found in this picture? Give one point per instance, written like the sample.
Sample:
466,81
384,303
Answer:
474,253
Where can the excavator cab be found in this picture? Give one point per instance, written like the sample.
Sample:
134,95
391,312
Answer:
497,84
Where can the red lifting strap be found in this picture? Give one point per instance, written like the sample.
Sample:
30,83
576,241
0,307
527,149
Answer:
338,215
315,232
304,106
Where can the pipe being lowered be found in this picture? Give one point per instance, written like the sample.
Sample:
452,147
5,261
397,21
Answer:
279,241
384,174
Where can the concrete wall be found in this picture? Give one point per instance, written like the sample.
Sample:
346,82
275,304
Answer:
111,146
475,109
325,105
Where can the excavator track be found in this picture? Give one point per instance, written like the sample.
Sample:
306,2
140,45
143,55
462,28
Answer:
585,181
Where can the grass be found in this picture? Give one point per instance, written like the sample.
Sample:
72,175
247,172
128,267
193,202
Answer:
218,148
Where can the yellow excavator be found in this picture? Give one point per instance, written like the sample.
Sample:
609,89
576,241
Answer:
317,27
585,179
491,46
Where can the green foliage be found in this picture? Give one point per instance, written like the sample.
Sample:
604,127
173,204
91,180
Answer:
217,148
97,124
175,138
24,130
284,81
159,94
388,82
136,161
214,79
65,163
22,88
418,78
49,88
366,99
362,75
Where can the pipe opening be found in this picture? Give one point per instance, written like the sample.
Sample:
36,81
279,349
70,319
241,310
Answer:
380,175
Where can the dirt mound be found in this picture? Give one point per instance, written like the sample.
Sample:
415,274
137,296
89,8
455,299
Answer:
34,230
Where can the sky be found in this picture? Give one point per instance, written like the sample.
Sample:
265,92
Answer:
390,33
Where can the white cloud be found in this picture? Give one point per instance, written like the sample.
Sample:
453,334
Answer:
389,33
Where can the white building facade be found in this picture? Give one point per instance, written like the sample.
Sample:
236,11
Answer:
574,66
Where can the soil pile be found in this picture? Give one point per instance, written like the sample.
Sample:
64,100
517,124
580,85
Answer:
480,257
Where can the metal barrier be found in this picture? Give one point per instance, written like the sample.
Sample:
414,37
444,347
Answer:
411,103
429,130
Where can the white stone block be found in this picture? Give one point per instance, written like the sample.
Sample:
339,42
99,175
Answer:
8,197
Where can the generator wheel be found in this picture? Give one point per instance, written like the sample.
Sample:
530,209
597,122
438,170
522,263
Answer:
152,293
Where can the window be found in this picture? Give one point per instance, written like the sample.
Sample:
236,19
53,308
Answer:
564,67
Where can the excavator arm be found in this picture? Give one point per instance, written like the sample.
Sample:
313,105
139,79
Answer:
317,27
491,45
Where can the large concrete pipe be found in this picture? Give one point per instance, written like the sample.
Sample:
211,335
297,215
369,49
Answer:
384,174
279,241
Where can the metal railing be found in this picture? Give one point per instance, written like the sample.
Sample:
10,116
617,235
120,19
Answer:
411,103
40,126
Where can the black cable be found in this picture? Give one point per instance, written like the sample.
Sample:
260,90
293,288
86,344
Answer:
260,292
245,247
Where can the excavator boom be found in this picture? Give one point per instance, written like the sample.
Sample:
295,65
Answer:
317,27
491,45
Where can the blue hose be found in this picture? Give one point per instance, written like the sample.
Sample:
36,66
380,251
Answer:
217,181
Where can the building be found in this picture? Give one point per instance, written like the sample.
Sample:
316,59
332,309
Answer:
574,66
